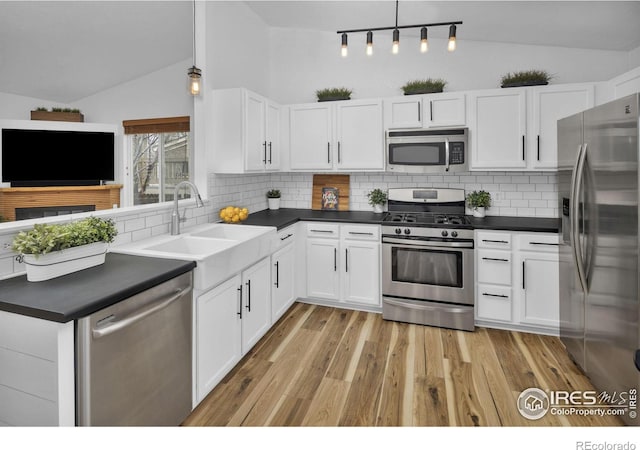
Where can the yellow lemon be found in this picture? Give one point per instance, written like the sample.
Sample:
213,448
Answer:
229,210
245,210
235,219
242,215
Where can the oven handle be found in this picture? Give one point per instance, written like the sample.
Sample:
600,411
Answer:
422,243
424,307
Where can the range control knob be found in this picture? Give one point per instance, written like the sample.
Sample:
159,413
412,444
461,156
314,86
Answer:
407,231
398,231
454,234
444,233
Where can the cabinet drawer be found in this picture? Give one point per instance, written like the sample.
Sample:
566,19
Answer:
360,232
494,267
323,230
286,236
538,242
494,303
491,239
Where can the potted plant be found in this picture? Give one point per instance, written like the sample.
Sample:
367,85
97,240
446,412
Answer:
332,94
273,198
525,78
58,114
478,201
377,198
50,251
428,86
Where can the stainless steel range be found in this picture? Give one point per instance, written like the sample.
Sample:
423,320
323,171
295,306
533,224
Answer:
427,259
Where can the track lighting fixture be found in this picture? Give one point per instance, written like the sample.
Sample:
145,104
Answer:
395,47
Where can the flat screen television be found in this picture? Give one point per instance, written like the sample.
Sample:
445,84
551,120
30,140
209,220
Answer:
57,158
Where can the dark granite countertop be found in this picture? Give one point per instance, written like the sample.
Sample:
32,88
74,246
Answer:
282,218
82,293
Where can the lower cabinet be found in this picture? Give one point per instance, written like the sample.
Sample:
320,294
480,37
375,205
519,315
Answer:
282,281
517,281
230,319
343,264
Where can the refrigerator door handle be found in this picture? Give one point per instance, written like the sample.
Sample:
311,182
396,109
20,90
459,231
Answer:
575,207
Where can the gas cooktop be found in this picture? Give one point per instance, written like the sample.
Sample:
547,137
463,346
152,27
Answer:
426,219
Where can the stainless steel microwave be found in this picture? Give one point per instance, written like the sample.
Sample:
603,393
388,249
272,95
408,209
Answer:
428,151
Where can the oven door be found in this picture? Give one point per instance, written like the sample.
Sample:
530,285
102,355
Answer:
423,270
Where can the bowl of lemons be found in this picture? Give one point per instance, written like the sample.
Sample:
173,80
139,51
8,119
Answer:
233,214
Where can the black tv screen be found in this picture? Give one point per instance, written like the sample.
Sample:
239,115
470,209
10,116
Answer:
57,158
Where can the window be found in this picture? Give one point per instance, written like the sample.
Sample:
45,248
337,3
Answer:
159,158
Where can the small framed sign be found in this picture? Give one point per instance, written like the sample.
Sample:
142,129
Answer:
330,198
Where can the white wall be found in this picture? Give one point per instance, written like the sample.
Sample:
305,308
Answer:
162,93
634,59
237,48
18,107
303,61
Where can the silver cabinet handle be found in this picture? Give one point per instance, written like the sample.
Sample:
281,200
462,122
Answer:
538,144
346,260
495,242
141,314
321,231
288,236
338,152
523,275
328,153
361,233
277,283
495,259
269,152
264,144
419,112
431,109
239,313
523,148
541,243
335,259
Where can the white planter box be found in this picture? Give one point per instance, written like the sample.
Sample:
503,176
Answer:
63,262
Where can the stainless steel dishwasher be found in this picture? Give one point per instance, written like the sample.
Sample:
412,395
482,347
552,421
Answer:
134,359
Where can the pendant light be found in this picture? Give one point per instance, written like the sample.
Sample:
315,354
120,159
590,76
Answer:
194,74
395,47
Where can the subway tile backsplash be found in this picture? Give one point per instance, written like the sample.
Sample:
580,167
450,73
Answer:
528,194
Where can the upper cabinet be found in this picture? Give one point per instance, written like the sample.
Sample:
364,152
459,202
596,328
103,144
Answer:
245,133
341,136
425,111
516,128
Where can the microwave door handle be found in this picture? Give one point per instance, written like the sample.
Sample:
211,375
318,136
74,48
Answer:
446,154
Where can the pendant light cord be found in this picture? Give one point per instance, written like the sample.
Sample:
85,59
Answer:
194,33
397,14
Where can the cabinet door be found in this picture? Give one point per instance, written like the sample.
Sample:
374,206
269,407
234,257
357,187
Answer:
498,129
310,137
444,110
550,104
360,136
403,112
256,303
282,281
254,132
322,269
361,272
217,335
272,135
538,289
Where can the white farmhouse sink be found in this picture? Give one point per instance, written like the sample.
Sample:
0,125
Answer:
217,257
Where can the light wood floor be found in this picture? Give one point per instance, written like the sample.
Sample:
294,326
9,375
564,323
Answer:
323,366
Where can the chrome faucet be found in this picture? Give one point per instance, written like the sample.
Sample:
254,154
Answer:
175,215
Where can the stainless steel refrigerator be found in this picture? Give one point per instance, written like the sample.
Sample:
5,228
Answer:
598,195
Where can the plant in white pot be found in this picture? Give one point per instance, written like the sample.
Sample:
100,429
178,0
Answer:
478,201
273,198
50,251
377,199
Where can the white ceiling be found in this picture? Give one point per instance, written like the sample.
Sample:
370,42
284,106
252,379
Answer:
65,50
602,25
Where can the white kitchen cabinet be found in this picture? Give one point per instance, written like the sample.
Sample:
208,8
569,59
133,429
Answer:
219,334
343,264
346,135
425,111
283,272
538,280
517,281
37,375
550,103
256,303
516,128
245,133
497,127
230,319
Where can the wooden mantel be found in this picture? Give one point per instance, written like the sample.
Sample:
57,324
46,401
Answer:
103,197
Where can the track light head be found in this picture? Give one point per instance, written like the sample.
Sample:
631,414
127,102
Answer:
369,43
344,50
424,43
452,38
396,42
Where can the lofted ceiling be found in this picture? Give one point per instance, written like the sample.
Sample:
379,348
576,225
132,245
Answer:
66,50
